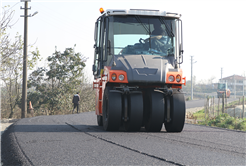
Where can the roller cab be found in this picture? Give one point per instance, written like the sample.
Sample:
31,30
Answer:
223,90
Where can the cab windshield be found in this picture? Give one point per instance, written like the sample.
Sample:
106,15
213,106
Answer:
222,86
142,35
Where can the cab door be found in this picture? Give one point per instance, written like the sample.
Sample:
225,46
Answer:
98,63
97,49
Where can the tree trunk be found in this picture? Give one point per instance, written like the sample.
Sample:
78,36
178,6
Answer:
11,115
10,99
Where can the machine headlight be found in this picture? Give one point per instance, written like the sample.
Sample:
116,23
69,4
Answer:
178,78
113,76
171,78
121,77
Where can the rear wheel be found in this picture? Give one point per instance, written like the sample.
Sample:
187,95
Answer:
177,113
99,120
112,108
135,112
154,111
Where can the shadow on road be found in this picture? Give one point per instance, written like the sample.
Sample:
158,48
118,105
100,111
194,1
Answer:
55,128
68,127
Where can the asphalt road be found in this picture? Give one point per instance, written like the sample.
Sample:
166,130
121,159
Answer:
77,140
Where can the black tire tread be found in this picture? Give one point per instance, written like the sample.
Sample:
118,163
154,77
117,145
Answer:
154,115
112,107
177,104
135,112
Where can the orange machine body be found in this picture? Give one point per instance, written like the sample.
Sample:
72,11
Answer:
100,83
106,77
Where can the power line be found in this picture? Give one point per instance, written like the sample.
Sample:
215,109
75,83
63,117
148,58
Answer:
72,33
54,21
59,14
14,5
51,20
1,8
192,62
69,1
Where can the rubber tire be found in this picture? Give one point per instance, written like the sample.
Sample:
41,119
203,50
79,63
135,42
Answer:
177,113
99,120
154,111
135,112
112,108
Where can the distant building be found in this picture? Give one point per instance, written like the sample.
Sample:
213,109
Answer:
235,83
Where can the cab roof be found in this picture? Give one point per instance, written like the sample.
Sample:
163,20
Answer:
143,12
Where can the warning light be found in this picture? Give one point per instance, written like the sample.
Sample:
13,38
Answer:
113,76
101,10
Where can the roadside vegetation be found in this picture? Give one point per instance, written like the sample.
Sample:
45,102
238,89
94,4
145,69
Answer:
200,115
51,87
223,120
11,64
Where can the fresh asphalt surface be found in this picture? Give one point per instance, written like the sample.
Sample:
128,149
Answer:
77,140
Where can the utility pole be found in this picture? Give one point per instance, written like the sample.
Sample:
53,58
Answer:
243,82
24,83
221,72
243,86
234,86
192,77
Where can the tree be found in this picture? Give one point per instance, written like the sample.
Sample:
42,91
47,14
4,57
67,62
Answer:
11,62
8,47
55,84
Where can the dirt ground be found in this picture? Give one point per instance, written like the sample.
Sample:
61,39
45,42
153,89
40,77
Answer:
189,112
193,110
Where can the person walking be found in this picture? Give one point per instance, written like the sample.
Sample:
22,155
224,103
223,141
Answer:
76,100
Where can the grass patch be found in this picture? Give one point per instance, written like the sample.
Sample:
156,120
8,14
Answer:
199,115
226,121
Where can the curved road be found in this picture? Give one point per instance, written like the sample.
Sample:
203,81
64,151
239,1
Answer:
77,140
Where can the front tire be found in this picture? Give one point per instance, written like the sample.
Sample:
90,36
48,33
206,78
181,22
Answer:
135,112
154,111
99,120
177,113
112,108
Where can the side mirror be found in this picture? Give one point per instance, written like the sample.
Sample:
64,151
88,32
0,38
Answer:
96,49
95,32
93,68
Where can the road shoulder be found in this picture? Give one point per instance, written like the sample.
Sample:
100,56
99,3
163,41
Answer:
5,123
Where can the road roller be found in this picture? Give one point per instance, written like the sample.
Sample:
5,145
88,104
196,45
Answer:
137,71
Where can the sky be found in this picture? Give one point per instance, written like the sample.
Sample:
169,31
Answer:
214,31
